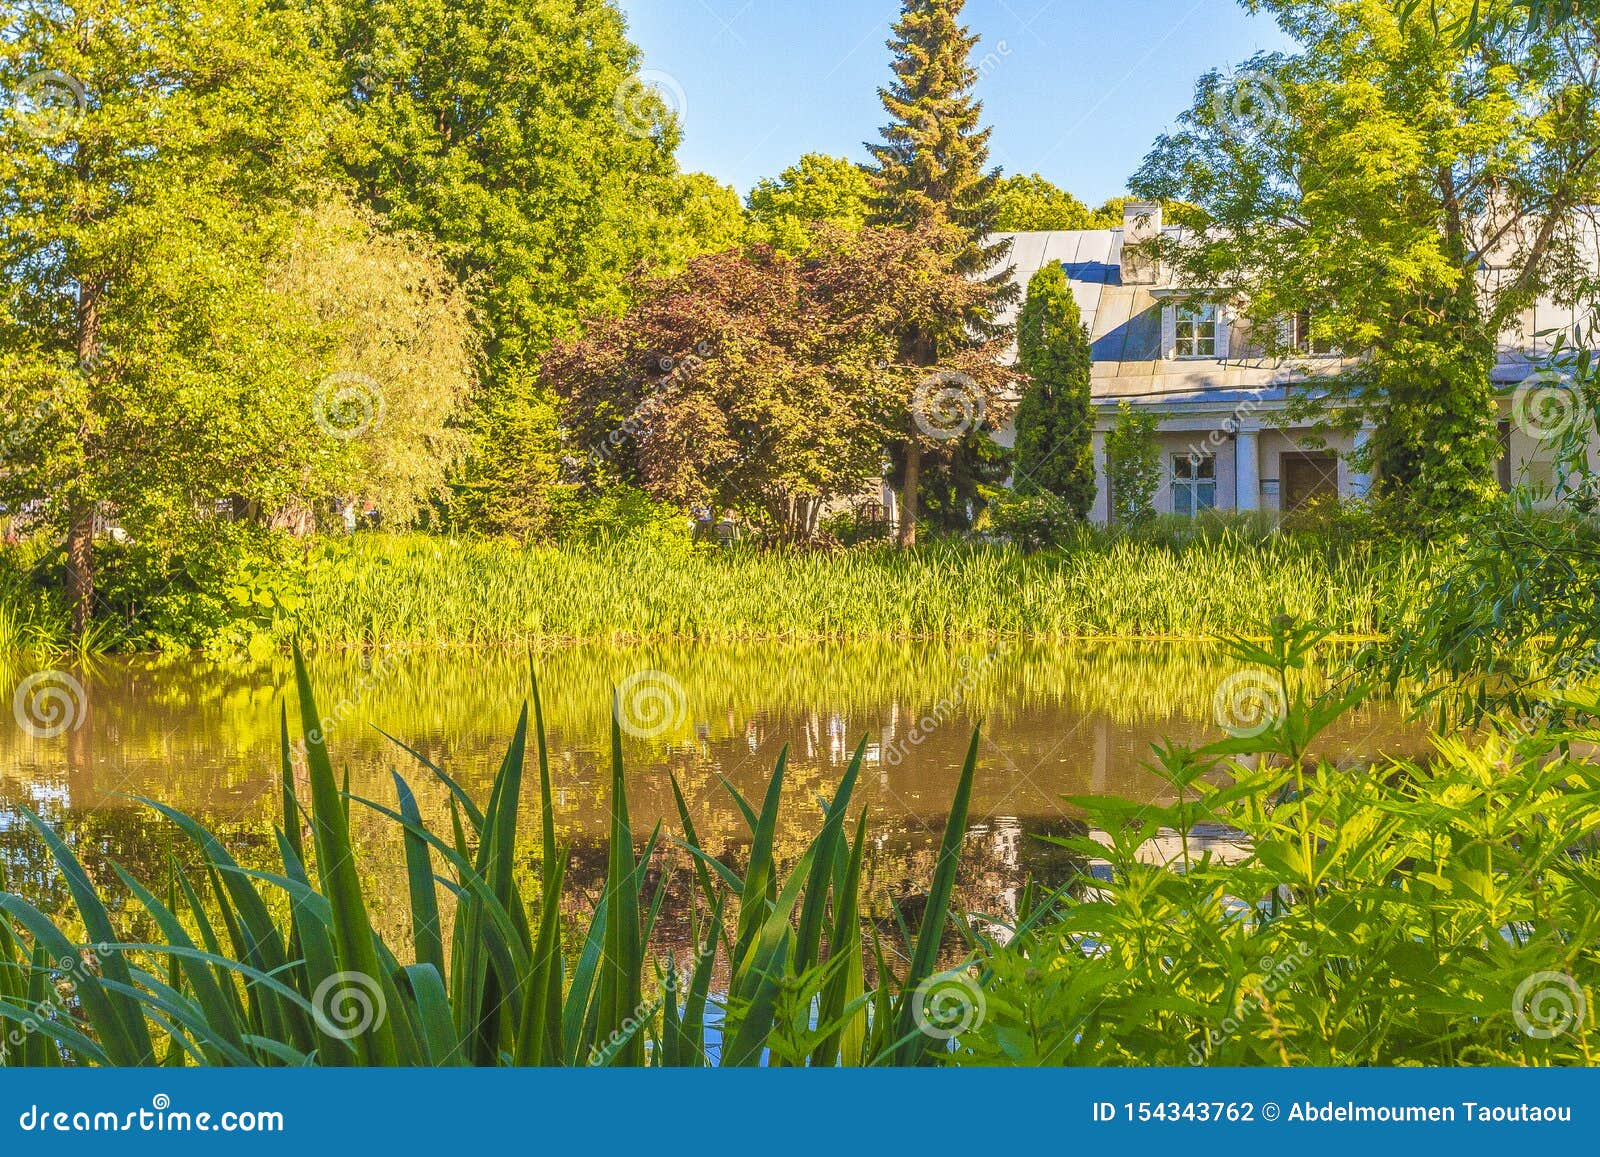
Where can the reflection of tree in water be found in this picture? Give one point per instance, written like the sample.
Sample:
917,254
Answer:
998,857
134,837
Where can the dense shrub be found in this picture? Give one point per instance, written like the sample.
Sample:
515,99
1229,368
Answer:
1033,521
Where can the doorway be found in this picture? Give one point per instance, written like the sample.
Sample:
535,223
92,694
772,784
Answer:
1308,477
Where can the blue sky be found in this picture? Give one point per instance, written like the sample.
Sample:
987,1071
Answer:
1075,89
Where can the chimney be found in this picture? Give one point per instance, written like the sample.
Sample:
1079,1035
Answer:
1141,223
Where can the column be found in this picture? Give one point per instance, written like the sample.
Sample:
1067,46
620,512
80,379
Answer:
1247,468
1361,483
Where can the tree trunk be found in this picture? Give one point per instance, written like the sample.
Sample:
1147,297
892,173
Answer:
910,480
80,568
80,528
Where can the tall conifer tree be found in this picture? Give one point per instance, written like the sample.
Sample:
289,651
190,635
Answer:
931,172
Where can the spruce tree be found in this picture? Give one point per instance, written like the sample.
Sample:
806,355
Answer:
1055,421
931,172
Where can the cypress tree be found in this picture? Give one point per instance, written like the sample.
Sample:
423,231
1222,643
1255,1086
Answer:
1055,421
931,171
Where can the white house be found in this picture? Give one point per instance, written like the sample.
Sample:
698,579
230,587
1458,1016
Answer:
1227,442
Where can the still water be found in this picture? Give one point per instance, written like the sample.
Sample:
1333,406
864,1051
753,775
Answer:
1055,722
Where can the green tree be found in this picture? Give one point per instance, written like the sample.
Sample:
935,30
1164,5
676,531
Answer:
521,136
931,173
702,216
1414,194
816,188
1133,466
396,371
149,176
1055,419
764,383
515,481
1031,204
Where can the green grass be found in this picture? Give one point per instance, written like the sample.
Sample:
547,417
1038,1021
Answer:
427,592
1187,580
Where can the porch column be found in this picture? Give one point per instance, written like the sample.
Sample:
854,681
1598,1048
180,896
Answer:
1247,468
1361,483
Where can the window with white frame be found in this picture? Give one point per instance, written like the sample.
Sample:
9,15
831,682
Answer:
1194,483
1196,332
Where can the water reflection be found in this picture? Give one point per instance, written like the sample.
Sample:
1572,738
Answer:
1056,721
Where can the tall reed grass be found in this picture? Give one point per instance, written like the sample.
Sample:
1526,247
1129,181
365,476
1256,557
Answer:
427,592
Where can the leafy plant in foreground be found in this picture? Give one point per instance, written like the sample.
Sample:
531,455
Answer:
1441,912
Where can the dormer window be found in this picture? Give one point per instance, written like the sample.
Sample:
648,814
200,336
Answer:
1196,335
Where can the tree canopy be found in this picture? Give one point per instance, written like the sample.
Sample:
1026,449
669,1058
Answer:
150,369
764,384
816,188
520,135
1031,203
932,173
1412,194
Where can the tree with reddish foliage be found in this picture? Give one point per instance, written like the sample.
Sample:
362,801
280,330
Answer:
767,385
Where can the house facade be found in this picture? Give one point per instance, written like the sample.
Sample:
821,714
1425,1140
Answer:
1227,439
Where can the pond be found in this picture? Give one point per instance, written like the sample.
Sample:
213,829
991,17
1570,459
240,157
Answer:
1056,721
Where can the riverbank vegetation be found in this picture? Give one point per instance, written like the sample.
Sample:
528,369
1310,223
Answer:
1186,581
